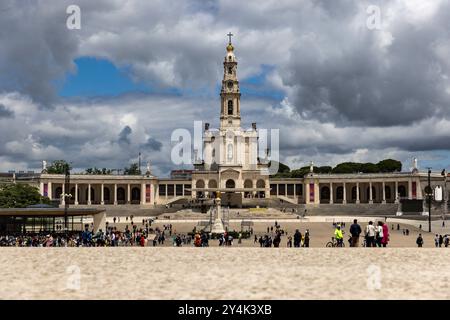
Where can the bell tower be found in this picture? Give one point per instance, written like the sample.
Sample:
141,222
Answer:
230,113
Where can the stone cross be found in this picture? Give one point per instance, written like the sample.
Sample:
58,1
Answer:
229,36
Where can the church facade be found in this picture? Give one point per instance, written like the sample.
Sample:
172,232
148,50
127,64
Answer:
230,166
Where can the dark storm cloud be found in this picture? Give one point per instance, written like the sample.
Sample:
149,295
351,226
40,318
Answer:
37,49
124,135
5,113
153,144
372,77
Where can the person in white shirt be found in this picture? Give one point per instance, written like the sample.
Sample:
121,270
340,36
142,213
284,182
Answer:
370,235
379,234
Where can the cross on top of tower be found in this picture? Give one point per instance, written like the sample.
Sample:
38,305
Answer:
229,36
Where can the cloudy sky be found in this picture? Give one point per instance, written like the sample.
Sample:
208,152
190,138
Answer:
340,82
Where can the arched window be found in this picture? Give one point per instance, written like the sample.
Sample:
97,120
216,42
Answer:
120,194
212,184
325,193
200,184
401,191
106,194
339,193
230,70
260,184
58,193
248,184
135,194
387,192
230,184
213,153
230,106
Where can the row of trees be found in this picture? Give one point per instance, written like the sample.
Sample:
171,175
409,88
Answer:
387,165
61,166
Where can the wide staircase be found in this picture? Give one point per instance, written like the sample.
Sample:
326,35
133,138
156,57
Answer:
363,209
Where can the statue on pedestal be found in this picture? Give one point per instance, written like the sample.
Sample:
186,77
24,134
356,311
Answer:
44,166
148,172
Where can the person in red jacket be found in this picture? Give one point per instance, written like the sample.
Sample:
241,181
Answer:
142,241
385,239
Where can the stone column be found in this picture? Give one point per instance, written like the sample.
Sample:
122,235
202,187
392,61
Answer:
331,193
396,192
49,191
115,194
182,187
63,198
384,193
409,189
344,200
357,193
102,194
156,193
370,193
143,193
167,190
128,193
41,188
307,193
285,190
76,194
89,195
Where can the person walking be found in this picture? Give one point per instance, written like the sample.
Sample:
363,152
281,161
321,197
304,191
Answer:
419,241
289,243
436,241
306,242
370,235
441,240
355,231
379,234
385,237
297,238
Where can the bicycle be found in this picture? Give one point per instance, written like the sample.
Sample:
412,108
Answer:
333,243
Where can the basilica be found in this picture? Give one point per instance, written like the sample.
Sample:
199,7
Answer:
230,167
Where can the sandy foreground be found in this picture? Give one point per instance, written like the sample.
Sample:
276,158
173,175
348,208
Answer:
224,273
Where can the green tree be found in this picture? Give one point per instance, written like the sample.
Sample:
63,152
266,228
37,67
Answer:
347,167
369,168
59,167
20,196
283,170
322,169
133,170
389,165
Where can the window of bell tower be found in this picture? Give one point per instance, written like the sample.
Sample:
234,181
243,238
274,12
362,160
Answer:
230,70
230,106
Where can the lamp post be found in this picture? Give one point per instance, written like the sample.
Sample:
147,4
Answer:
444,172
429,195
67,196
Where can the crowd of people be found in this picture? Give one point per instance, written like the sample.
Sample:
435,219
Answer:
374,235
